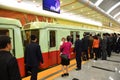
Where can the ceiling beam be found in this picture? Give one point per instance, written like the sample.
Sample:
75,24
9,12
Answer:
113,7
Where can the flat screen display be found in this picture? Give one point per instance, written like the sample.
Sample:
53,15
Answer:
51,5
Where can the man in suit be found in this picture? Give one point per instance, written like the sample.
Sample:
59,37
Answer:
78,51
118,43
8,64
104,47
33,57
85,45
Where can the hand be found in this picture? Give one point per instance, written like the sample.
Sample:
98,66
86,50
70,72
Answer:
72,52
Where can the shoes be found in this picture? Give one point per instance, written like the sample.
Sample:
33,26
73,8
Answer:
78,69
65,74
62,75
75,79
95,59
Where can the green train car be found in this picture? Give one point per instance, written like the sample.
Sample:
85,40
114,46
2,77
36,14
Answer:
49,37
12,28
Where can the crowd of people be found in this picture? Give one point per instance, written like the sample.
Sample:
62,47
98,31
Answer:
89,47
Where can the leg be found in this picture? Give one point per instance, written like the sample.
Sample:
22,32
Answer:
34,71
78,61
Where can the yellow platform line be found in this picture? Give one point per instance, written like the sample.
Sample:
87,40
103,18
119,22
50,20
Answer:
50,71
59,74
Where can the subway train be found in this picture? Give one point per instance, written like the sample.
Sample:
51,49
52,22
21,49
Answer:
12,28
49,37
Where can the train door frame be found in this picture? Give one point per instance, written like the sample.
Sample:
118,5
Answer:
11,35
53,49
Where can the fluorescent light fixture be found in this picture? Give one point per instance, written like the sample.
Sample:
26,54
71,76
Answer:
98,2
116,14
113,7
110,78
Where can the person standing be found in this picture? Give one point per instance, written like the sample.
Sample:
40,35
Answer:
8,64
96,42
78,51
33,57
85,45
104,47
65,48
90,46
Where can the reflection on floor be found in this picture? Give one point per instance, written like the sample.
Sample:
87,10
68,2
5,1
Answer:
97,70
91,70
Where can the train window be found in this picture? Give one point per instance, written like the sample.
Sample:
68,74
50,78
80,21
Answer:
36,33
9,32
77,33
4,32
52,38
28,33
73,36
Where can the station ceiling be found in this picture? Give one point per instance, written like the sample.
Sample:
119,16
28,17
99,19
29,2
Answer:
105,11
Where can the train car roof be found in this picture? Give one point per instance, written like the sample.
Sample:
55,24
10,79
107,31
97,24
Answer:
9,21
44,25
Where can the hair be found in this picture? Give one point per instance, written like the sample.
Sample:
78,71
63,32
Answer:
95,37
63,38
4,40
68,38
33,37
77,36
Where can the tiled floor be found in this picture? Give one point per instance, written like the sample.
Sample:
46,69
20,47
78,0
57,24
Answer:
91,70
97,70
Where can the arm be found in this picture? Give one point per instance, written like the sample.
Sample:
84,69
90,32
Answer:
39,54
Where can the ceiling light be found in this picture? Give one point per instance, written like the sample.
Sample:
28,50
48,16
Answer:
81,10
61,2
72,6
116,15
34,1
113,7
19,1
98,2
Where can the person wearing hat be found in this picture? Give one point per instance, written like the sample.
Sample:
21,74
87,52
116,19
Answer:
33,57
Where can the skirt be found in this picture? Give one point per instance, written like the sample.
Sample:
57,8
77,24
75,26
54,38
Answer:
65,61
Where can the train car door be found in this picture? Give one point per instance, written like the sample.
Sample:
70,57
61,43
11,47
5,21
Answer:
52,47
9,32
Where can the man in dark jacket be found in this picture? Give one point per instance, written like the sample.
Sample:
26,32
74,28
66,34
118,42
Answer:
78,51
8,64
85,45
33,57
104,47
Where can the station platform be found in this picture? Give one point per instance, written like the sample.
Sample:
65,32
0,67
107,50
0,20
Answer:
91,70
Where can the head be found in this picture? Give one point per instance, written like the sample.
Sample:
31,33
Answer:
68,38
33,38
63,39
95,37
77,36
5,43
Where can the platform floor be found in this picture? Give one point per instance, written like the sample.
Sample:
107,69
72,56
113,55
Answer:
91,70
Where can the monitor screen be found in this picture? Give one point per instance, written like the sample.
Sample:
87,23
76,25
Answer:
51,5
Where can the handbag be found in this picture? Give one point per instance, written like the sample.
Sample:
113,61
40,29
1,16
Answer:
63,56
